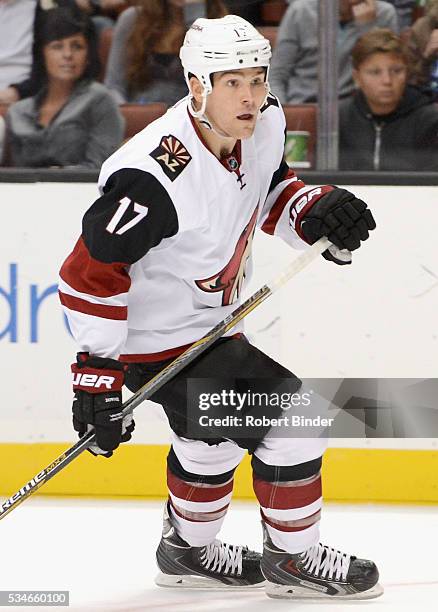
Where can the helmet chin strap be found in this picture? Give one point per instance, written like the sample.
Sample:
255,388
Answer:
201,115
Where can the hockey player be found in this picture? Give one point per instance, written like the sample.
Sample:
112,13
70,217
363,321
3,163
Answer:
162,258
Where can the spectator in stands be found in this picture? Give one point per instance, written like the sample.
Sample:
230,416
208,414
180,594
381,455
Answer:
144,65
424,48
103,12
405,11
28,81
294,67
16,38
404,8
21,22
73,120
386,125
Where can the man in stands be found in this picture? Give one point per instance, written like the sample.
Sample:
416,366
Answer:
294,69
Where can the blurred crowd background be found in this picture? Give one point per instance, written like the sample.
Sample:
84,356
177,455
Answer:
80,77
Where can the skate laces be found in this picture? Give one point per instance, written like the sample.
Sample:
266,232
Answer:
220,557
323,561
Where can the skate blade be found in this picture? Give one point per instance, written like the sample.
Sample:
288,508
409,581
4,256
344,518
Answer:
283,591
201,582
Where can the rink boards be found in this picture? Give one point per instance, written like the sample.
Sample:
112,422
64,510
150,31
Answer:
387,302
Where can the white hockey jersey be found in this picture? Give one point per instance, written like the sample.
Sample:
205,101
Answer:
166,249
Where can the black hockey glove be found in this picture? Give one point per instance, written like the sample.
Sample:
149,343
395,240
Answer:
97,384
343,218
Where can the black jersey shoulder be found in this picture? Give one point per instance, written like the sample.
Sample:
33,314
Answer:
134,214
279,175
271,100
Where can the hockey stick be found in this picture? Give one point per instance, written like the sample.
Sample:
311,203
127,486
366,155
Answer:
168,372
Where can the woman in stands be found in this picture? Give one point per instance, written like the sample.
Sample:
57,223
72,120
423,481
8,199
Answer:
73,120
144,66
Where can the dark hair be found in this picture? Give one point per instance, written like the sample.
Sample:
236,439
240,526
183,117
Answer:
61,23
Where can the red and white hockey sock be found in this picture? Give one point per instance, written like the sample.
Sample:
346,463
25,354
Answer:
291,511
198,509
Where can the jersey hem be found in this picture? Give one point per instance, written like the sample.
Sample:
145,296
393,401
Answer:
162,355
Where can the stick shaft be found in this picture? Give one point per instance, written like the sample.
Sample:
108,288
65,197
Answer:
168,372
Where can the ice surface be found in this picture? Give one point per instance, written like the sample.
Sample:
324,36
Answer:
103,552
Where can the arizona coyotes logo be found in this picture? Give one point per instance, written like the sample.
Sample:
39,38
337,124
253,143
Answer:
172,156
229,280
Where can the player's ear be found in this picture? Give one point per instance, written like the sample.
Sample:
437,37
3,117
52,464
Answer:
196,89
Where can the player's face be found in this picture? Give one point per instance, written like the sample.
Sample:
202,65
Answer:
382,77
66,58
235,101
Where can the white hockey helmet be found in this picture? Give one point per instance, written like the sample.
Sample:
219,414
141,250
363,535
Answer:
216,45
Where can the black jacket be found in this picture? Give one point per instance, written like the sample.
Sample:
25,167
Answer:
407,139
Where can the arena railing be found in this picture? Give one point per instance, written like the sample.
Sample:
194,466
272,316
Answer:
314,177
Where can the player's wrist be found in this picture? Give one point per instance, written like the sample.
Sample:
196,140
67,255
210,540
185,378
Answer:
97,374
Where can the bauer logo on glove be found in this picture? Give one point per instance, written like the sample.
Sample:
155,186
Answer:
92,380
337,214
97,384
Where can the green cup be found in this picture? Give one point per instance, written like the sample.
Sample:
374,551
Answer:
296,149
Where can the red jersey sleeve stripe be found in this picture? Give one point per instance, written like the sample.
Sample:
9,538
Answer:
117,313
95,278
275,213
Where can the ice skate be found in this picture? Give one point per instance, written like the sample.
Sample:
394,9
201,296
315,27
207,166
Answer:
317,573
216,565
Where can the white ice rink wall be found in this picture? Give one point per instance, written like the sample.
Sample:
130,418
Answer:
376,318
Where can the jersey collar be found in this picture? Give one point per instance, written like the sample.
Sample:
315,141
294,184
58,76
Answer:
230,162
